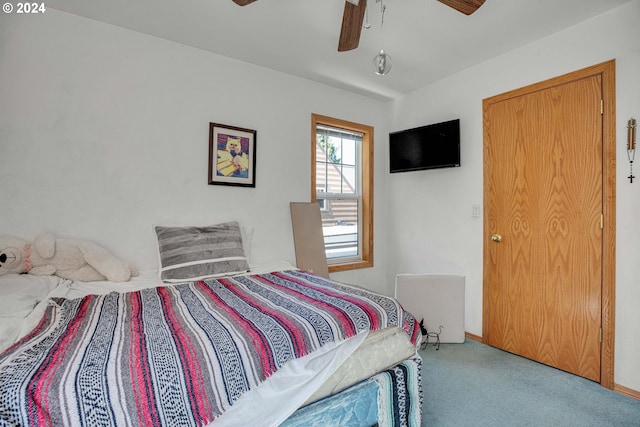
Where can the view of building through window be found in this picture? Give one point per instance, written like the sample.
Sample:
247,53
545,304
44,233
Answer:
338,154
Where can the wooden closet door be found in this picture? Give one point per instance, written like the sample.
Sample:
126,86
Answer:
543,207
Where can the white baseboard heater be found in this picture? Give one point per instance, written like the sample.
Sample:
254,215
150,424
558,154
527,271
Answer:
438,299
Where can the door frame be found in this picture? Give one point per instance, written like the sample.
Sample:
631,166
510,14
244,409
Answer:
606,71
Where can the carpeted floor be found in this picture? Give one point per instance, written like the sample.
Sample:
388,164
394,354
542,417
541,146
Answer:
472,384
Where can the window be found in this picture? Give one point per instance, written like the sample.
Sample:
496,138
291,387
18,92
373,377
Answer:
342,183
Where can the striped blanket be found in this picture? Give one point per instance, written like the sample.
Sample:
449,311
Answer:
180,354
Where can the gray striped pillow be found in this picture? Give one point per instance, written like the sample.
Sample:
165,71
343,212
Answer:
195,253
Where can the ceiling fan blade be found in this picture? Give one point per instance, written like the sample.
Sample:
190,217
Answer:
352,20
243,2
465,6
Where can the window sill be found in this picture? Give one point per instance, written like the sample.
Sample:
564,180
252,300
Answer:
352,265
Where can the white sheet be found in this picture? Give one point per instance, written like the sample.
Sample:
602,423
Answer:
274,400
23,299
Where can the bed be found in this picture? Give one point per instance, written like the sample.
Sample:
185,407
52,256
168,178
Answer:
270,346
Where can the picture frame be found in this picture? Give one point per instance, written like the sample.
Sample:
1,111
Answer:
232,155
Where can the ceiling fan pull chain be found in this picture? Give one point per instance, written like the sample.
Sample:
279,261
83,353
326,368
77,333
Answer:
382,61
383,7
366,25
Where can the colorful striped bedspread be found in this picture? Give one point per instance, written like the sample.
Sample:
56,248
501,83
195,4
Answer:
179,354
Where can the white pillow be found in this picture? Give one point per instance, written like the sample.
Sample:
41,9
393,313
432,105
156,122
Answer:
193,253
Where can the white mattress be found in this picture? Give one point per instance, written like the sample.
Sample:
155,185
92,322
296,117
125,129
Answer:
24,298
380,350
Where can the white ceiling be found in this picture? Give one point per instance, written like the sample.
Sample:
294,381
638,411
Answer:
425,39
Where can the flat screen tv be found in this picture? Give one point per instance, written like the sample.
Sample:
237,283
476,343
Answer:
426,147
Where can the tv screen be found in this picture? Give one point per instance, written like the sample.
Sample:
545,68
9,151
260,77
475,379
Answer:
427,147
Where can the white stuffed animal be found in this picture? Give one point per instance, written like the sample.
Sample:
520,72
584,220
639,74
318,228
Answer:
69,259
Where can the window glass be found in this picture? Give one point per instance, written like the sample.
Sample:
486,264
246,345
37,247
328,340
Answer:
342,178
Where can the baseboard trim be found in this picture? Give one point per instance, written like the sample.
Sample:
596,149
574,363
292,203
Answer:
473,337
629,392
634,394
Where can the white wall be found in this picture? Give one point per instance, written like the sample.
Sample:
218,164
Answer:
104,132
444,239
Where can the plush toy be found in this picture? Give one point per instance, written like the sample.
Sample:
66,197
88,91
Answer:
69,259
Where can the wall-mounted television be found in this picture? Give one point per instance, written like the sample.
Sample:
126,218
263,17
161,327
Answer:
426,147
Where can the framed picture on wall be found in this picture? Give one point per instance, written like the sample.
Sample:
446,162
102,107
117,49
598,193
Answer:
232,155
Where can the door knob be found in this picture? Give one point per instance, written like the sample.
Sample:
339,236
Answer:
496,238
